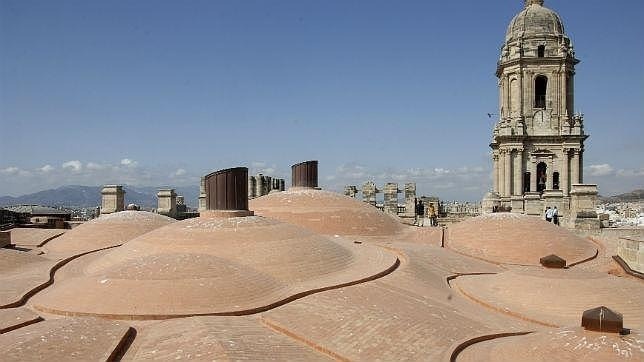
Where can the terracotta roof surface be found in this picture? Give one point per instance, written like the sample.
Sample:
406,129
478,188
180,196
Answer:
34,237
20,273
255,288
517,239
213,266
106,231
327,213
64,340
563,344
556,297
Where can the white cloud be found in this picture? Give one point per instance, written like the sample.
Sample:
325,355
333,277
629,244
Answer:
603,169
630,172
94,166
258,167
46,168
129,162
11,170
14,171
74,165
179,172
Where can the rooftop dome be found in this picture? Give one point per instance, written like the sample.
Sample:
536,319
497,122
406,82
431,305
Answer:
563,344
555,297
105,231
533,21
213,265
516,239
326,213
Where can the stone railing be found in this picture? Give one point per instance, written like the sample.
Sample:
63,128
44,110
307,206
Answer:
631,250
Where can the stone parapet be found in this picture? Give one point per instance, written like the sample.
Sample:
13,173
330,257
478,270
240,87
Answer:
631,250
517,204
533,204
5,238
490,203
583,199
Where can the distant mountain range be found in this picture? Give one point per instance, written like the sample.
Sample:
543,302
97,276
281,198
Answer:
633,196
75,196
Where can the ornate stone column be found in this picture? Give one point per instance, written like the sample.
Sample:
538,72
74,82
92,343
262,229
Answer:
508,173
550,174
581,166
574,165
518,171
495,172
533,175
565,172
501,176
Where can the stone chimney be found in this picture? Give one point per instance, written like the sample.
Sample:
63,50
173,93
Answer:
305,174
202,194
227,193
167,202
112,199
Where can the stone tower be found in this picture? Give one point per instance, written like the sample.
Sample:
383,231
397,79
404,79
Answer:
538,142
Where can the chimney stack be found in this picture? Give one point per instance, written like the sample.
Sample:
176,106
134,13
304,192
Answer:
305,174
227,192
112,199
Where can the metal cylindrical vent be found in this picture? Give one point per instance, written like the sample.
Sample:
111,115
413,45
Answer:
227,189
305,174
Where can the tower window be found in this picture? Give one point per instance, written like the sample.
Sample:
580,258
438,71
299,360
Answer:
555,180
542,170
526,182
540,87
541,51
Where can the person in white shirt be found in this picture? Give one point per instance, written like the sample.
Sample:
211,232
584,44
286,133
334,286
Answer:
555,216
549,212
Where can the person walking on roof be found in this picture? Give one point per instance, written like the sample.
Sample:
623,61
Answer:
555,216
549,212
420,214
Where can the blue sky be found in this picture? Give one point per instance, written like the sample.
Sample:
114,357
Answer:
161,92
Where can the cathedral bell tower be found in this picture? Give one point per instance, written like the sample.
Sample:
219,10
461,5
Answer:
538,141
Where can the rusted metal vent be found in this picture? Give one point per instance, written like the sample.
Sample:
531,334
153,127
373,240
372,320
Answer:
305,174
602,319
227,190
553,261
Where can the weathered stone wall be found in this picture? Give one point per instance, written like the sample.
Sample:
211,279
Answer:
583,199
631,250
5,238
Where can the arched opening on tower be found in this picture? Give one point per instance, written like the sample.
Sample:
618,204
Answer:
542,176
540,88
541,51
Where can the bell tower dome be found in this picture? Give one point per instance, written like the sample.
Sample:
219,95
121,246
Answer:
538,141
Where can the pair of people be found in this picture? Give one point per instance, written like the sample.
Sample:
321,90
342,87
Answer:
552,215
